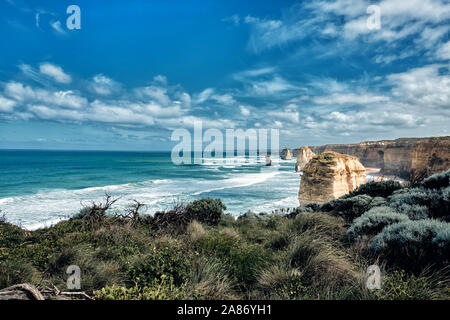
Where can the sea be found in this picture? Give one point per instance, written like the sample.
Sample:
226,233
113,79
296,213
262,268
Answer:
39,188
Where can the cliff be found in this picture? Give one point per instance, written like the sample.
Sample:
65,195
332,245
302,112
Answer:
304,155
398,157
286,154
329,176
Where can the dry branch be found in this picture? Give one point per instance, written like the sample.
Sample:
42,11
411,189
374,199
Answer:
23,291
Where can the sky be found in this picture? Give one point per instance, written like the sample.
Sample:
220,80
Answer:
136,71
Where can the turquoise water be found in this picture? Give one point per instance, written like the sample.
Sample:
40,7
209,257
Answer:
38,188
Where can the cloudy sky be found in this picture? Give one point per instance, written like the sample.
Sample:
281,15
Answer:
137,70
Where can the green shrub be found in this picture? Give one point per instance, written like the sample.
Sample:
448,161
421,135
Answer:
251,216
442,242
307,208
244,259
348,208
377,189
436,201
166,261
15,271
411,196
373,221
411,244
82,213
413,211
206,210
326,158
10,235
437,181
378,202
163,289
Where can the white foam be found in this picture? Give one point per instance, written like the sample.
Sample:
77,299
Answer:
48,207
240,181
6,200
288,202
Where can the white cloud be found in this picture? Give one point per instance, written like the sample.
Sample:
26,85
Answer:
161,79
399,19
56,25
226,99
155,105
55,72
110,113
289,114
252,73
350,98
104,85
430,36
6,105
270,87
47,113
154,93
235,19
346,20
266,33
245,111
389,58
204,95
210,94
443,51
27,94
423,87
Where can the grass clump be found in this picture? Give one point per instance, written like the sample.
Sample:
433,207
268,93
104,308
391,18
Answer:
245,260
399,285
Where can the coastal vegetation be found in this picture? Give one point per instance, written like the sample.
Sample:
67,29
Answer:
197,251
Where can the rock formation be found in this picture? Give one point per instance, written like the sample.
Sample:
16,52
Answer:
286,154
329,176
398,157
304,155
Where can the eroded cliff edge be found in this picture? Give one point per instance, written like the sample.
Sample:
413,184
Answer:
398,157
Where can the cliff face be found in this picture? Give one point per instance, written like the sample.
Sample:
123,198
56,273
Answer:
329,176
398,157
304,155
286,154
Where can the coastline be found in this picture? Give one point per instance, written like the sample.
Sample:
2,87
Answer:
197,251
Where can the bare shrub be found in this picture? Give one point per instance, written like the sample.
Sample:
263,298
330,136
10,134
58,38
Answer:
95,214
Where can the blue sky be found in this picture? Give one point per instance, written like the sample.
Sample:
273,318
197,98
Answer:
137,70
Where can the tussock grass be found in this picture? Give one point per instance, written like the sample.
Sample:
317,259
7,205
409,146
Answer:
195,231
209,279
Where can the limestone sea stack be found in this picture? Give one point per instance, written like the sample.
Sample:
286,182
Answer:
304,155
286,154
329,176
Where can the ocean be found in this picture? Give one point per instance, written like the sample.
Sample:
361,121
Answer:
39,188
